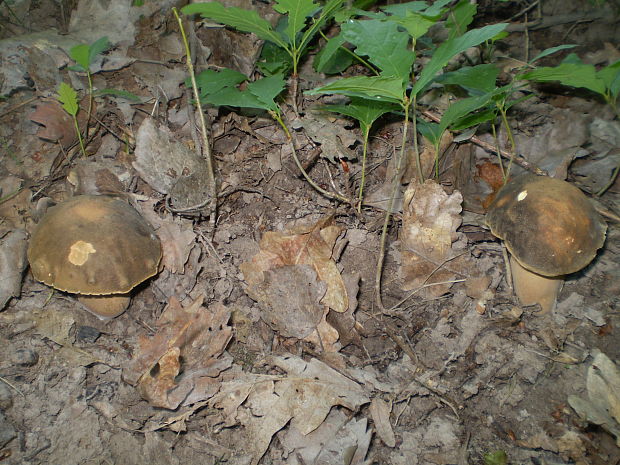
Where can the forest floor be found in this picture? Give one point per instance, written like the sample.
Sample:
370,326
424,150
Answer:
230,354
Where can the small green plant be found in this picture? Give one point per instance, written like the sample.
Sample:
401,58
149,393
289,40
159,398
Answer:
498,457
304,18
84,55
67,96
575,73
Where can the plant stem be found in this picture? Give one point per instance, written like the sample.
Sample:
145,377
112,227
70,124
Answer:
79,134
203,125
322,191
498,151
363,179
388,214
513,146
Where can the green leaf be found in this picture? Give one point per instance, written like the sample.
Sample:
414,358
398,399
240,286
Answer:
238,18
430,130
233,97
96,48
329,9
274,59
610,75
297,11
416,24
366,112
452,47
569,74
332,59
383,44
436,8
119,93
474,119
475,80
267,89
382,88
210,81
67,96
80,54
460,17
402,9
461,108
551,51
498,457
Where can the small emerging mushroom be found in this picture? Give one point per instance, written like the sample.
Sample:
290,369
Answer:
95,246
550,228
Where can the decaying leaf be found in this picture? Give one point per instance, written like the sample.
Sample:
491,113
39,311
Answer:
335,140
603,404
266,404
13,245
339,439
191,340
429,253
296,285
161,161
57,124
380,411
288,262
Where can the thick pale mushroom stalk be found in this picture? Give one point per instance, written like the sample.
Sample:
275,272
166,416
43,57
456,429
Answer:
550,228
97,247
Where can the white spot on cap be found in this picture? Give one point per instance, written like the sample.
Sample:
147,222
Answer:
80,252
522,195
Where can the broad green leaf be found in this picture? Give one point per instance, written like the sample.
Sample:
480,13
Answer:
498,457
210,81
475,80
297,12
474,119
402,9
267,89
274,59
238,18
119,93
97,47
461,108
452,47
610,75
366,112
67,96
332,58
430,130
233,97
436,8
569,74
551,51
460,17
382,88
80,54
329,9
416,24
383,44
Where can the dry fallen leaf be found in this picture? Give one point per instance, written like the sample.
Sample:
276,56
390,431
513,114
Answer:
57,124
298,260
430,220
266,404
334,139
191,340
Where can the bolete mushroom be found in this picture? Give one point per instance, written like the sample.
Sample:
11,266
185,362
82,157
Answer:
96,246
550,228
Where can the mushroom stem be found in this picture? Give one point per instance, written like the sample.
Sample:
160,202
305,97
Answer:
105,307
532,288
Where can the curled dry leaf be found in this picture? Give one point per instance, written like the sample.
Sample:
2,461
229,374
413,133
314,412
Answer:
429,255
191,340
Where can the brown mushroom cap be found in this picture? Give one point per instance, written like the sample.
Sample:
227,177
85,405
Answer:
93,245
547,224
